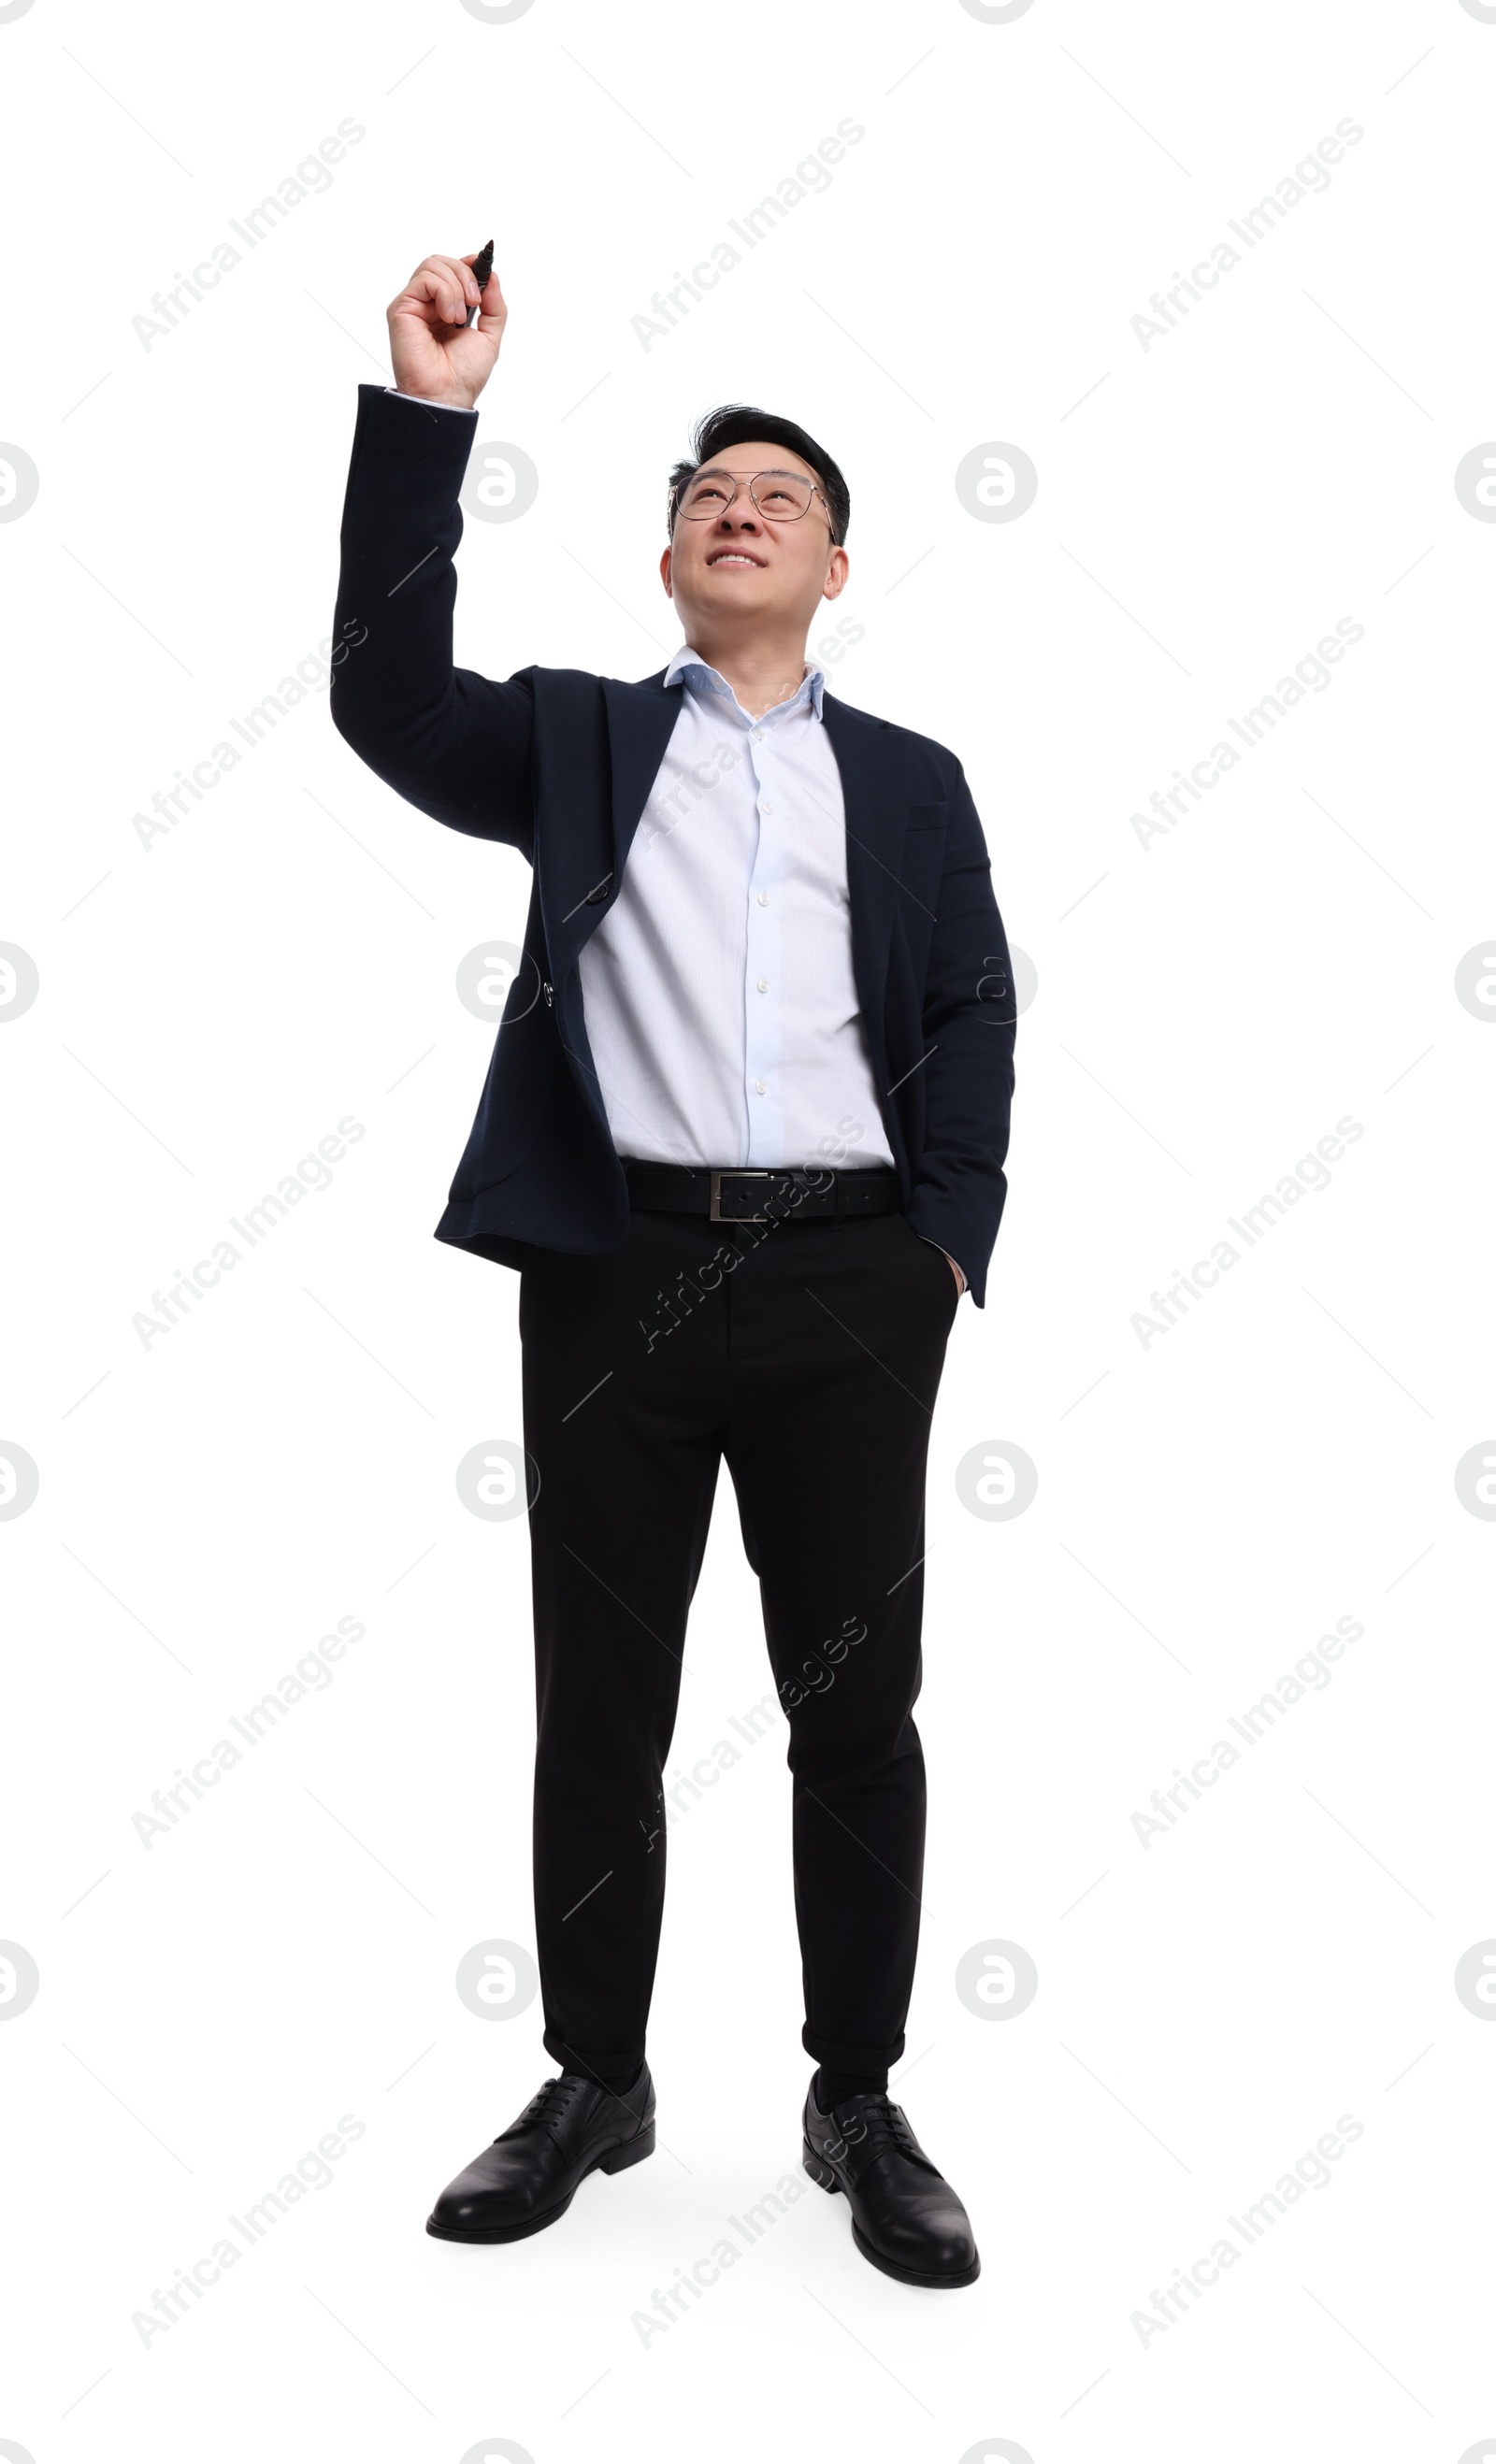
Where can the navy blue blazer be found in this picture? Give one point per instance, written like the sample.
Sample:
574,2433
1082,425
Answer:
560,764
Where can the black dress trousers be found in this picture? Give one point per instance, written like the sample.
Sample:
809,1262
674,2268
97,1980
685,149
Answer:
808,1353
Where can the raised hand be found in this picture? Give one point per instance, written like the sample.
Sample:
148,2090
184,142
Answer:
434,351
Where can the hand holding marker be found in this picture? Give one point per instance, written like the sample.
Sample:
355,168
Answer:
446,327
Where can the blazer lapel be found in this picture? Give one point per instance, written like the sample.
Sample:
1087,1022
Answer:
873,762
582,877
641,720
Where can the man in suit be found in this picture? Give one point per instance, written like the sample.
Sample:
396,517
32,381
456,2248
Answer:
743,1136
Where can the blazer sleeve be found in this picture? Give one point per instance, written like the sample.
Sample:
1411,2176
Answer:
969,1021
453,743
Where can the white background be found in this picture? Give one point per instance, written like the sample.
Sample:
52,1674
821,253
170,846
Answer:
1207,1008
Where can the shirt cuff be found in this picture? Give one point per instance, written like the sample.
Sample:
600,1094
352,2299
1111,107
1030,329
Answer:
425,404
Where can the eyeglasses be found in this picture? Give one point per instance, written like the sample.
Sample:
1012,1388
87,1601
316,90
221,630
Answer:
779,495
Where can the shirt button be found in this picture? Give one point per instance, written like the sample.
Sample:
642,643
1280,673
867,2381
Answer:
757,732
763,983
763,898
766,806
760,1087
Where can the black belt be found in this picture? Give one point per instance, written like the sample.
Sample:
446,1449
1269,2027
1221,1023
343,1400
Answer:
800,1193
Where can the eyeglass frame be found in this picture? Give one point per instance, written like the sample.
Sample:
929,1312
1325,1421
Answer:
745,480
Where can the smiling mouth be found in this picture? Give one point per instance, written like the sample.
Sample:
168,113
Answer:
734,555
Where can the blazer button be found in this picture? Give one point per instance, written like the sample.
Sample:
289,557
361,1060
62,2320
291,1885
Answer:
595,897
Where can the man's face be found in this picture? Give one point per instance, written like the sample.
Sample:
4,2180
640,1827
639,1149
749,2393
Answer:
744,569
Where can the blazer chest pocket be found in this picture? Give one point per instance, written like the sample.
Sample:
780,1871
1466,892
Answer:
924,845
924,832
918,896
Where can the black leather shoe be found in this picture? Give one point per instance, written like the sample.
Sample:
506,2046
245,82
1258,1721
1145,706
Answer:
529,2176
906,2217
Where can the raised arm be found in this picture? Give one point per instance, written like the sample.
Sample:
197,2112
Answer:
451,742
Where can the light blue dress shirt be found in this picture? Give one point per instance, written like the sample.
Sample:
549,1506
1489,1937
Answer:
720,1003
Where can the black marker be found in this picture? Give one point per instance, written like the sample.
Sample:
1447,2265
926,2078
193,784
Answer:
482,268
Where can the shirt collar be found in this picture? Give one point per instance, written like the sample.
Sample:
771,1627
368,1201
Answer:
688,662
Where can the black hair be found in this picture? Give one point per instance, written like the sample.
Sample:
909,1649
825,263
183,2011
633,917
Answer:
739,423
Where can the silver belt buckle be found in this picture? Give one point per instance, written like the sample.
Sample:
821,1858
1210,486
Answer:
714,1212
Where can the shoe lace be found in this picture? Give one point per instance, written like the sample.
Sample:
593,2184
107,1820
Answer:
871,2123
551,2102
